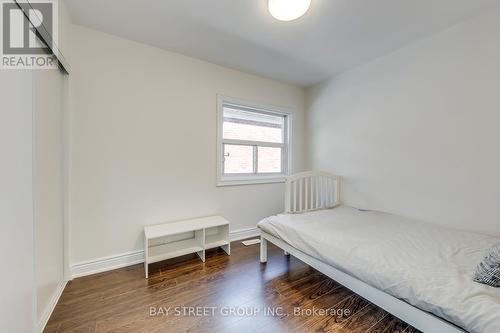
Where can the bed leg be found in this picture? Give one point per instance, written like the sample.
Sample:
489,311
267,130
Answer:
263,250
286,253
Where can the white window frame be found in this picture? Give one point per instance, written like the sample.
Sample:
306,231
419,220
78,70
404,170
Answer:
255,178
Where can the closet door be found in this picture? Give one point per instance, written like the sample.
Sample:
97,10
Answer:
16,202
48,111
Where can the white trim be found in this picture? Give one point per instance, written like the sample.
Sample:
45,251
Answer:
254,143
105,264
109,263
237,235
242,180
66,178
269,109
249,179
423,321
51,306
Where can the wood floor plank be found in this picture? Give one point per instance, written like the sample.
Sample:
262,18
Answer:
369,316
332,323
390,324
120,300
199,295
140,297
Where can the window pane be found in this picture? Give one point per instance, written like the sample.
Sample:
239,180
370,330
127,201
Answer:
238,159
252,126
269,159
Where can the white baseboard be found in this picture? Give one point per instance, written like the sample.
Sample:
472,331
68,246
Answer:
136,257
244,233
51,306
106,264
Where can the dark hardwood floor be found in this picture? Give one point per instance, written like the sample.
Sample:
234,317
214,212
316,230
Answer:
124,301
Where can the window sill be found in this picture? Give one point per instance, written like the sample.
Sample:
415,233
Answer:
249,181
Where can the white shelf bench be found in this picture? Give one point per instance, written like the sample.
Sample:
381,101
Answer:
175,239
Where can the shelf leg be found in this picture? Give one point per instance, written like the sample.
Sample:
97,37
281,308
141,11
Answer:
263,250
146,247
227,249
201,254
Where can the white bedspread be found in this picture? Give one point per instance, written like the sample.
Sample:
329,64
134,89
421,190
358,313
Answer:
428,266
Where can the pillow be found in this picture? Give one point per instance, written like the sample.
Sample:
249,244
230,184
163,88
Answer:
488,270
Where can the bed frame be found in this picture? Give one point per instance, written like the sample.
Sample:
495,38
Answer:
314,190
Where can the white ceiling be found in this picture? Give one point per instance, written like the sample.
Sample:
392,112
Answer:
334,36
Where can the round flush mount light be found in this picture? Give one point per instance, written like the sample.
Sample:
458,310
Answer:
288,10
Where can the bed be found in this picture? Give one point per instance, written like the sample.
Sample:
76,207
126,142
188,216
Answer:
419,272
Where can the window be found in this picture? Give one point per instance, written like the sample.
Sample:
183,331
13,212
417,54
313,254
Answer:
253,143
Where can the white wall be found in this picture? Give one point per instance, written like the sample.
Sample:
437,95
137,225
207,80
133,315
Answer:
416,132
143,142
16,203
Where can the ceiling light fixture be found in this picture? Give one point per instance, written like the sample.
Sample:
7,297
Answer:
288,10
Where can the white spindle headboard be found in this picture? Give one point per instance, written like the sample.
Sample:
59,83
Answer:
311,190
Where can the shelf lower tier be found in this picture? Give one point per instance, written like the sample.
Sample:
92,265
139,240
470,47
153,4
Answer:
215,241
172,250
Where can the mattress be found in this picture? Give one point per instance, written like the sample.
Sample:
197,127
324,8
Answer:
428,266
